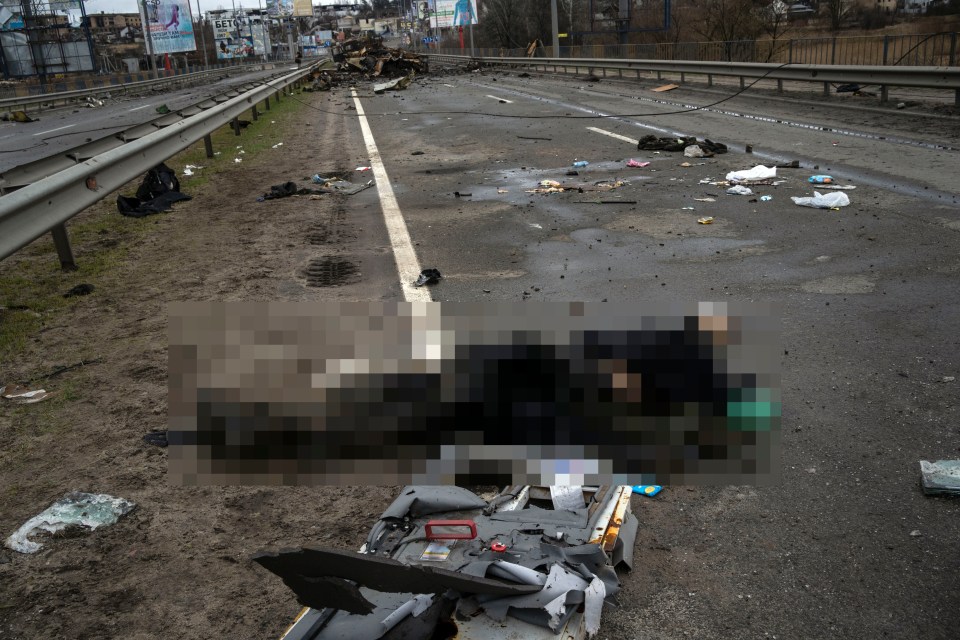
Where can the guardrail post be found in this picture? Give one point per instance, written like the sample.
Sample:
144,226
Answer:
953,48
884,94
826,89
254,113
709,79
743,83
779,86
266,104
236,126
208,145
62,242
683,77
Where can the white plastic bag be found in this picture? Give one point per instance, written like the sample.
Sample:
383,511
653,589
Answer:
820,201
740,191
693,151
759,172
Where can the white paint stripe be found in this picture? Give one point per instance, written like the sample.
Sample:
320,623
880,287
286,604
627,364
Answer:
613,135
143,107
448,85
496,98
408,267
52,130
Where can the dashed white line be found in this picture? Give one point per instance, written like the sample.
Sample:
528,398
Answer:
613,135
138,108
57,129
408,267
500,99
448,85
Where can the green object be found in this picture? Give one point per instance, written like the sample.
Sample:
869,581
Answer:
162,109
75,508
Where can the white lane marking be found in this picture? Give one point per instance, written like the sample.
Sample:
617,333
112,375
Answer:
502,99
613,135
408,267
143,107
448,85
57,129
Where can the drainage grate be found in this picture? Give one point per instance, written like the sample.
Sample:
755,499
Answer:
330,272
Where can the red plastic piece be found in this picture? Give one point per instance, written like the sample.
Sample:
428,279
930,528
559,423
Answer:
432,535
499,547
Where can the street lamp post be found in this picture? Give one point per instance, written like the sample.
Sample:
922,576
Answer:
150,52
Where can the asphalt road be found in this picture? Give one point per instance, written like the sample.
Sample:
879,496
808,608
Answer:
59,130
846,546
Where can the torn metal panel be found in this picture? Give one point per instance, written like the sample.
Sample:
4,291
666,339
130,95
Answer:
556,581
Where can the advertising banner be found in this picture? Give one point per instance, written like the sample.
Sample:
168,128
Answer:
281,8
453,13
239,38
170,24
302,7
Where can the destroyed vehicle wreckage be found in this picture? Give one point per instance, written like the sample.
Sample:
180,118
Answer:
369,56
442,562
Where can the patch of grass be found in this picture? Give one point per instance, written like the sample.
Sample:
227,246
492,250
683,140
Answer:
31,282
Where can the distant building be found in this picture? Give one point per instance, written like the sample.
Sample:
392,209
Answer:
107,27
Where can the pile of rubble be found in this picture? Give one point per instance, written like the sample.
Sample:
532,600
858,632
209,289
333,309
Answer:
369,57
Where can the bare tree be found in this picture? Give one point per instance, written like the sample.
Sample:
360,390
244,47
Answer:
726,20
775,24
839,10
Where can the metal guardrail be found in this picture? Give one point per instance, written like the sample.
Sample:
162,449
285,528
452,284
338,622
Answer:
29,103
47,204
889,76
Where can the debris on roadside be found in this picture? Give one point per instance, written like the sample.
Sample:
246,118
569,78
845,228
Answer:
820,179
580,163
740,190
529,559
73,509
163,109
157,193
428,276
24,395
708,148
823,201
666,87
79,290
759,172
397,84
706,220
93,103
189,169
369,57
941,477
793,164
336,185
648,490
636,163
17,116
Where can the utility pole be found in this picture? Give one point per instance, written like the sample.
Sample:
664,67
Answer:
203,36
151,56
555,28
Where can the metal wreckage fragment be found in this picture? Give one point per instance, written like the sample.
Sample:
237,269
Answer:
442,562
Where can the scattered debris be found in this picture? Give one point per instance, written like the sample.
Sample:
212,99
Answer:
793,164
839,187
766,198
23,395
277,146
428,276
288,189
74,509
395,85
364,168
93,103
706,220
163,109
502,190
705,199
739,190
759,172
336,185
693,151
820,179
462,194
157,193
848,88
369,57
820,201
533,138
79,290
17,116
636,163
190,168
666,87
237,160
580,163
417,153
648,490
707,147
941,477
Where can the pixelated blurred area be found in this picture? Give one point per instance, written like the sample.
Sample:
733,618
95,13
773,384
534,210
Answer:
493,393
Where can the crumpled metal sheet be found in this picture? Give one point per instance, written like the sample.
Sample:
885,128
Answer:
418,501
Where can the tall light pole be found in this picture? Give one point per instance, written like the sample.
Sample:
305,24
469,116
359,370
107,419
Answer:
150,52
555,28
203,37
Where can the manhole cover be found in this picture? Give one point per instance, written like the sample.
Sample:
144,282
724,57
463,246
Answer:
330,272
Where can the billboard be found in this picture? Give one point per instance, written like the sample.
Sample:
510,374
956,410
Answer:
170,24
239,37
281,8
453,13
303,7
